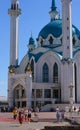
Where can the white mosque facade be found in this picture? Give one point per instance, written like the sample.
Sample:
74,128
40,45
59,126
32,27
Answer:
50,71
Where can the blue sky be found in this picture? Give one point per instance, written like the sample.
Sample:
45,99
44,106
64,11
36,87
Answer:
35,15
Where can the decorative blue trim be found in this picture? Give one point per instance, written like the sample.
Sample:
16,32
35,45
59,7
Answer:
38,55
67,60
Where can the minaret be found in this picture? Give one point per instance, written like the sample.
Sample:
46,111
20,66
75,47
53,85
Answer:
14,13
67,68
67,28
54,14
31,45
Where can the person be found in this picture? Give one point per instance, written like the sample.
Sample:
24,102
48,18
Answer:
29,115
78,110
37,109
26,114
57,114
62,115
15,112
20,117
57,109
72,121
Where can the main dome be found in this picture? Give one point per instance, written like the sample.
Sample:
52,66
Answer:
55,28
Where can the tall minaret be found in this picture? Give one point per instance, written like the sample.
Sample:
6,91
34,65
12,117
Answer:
67,68
67,28
54,14
14,13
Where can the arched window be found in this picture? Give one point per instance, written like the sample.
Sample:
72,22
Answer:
41,42
74,41
32,68
45,73
19,92
17,6
14,6
28,67
19,96
55,73
51,40
61,40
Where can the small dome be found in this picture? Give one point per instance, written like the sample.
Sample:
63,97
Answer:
55,28
31,44
31,41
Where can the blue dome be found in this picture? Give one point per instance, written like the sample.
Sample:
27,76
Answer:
31,41
55,28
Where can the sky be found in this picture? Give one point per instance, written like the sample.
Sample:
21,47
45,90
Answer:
35,15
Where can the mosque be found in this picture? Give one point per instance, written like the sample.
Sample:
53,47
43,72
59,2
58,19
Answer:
49,73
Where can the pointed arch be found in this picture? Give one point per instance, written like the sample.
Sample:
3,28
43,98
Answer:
28,67
45,73
19,96
51,40
19,92
55,73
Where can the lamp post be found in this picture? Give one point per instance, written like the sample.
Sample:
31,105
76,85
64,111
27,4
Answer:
71,99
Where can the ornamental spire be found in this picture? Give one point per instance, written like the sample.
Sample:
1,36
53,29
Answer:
31,44
53,6
54,14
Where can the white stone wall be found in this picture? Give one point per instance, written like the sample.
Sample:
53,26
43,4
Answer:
77,62
23,64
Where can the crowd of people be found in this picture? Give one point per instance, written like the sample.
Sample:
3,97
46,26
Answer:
25,114
22,114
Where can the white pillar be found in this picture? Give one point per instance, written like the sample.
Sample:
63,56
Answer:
67,28
29,88
67,68
14,13
10,90
67,77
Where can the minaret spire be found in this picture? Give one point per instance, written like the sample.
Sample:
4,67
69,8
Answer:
31,44
53,7
54,14
14,13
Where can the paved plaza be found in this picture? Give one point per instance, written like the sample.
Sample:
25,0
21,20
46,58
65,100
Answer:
26,126
45,119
